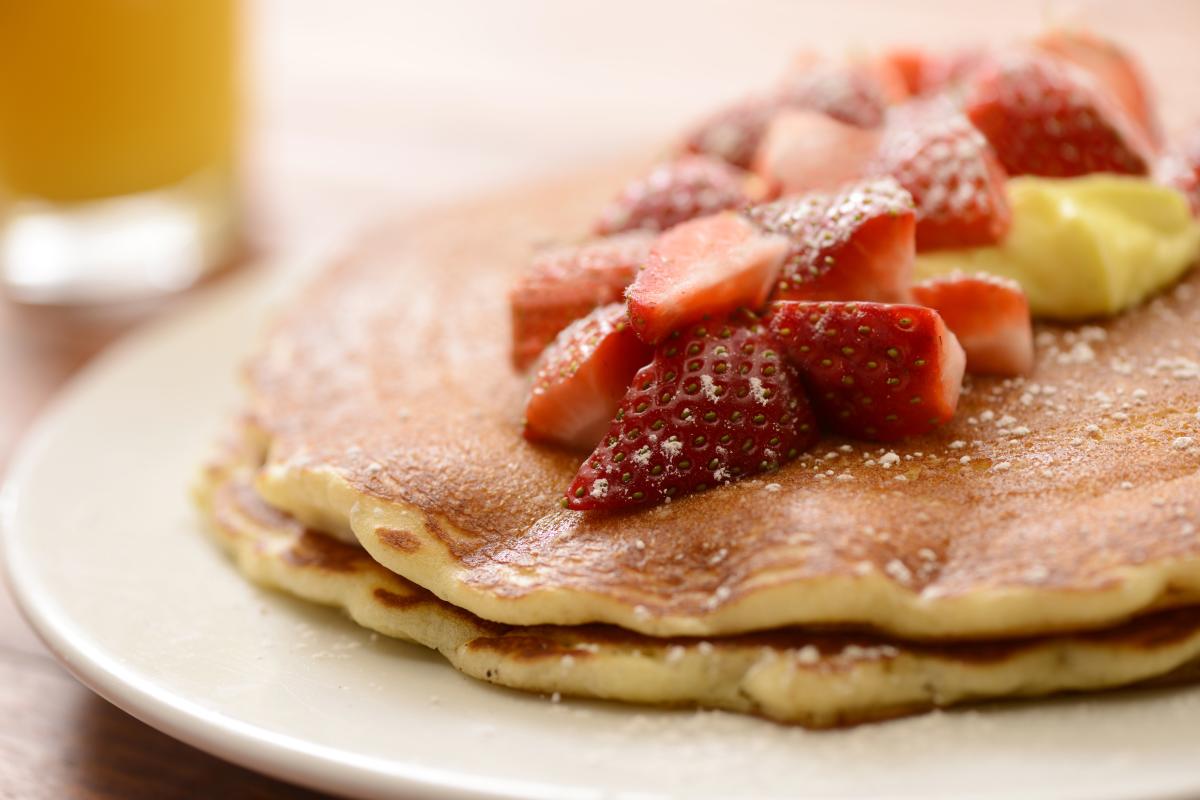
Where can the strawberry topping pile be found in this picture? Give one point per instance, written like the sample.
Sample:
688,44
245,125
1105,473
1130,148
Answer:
758,288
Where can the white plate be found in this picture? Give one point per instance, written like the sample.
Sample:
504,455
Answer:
106,557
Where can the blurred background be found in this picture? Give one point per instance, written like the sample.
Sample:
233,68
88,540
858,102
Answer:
150,145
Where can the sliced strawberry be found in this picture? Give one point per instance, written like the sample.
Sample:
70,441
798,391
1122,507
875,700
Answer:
1113,68
952,174
855,244
990,317
889,75
857,92
947,72
565,283
706,267
717,403
582,377
925,72
912,64
805,150
1180,168
733,134
873,371
1044,116
689,187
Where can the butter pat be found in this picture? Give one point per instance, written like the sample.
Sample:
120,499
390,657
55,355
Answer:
1085,247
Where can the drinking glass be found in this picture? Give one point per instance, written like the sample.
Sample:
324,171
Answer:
117,147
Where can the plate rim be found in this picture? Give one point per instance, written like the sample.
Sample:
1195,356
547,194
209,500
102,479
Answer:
258,749
285,757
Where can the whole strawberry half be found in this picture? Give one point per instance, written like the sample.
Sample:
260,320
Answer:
1045,116
853,244
716,403
582,377
873,371
990,317
955,180
1113,68
565,283
689,187
704,268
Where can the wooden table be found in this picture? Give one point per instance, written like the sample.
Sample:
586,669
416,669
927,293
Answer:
363,107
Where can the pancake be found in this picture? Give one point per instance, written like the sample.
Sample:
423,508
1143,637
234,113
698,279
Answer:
817,679
1065,501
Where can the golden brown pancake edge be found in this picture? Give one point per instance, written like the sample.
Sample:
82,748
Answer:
813,678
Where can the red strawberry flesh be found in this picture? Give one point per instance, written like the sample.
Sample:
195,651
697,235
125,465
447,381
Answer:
989,316
733,134
565,283
706,267
690,187
952,174
873,371
717,403
855,244
805,150
1113,68
1045,116
582,377
856,93
948,72
912,64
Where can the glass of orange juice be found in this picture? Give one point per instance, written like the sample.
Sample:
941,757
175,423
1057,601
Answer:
117,146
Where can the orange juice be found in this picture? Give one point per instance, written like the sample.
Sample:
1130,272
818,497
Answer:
100,98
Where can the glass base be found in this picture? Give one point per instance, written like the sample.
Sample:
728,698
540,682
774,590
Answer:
125,249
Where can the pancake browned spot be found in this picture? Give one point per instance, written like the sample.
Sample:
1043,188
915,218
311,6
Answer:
397,600
249,503
318,551
414,596
527,647
400,540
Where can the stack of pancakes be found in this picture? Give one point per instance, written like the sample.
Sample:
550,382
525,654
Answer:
1048,539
